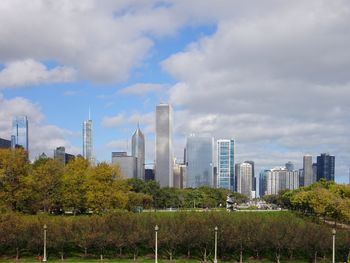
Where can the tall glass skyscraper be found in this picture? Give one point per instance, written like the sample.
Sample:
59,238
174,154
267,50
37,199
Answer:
138,151
325,167
20,132
199,160
164,145
87,141
225,165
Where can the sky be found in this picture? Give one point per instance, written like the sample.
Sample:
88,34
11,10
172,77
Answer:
274,75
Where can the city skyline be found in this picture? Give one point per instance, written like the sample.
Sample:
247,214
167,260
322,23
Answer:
223,67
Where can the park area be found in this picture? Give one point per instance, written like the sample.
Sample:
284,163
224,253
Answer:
182,237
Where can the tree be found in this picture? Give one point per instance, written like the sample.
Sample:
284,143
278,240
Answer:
104,188
14,168
73,186
45,184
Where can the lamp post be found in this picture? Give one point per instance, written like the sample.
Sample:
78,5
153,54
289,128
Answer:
45,229
156,228
333,254
216,245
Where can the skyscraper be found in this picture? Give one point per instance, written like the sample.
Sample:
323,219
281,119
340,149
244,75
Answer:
226,166
307,167
199,160
126,163
289,166
325,167
20,132
87,141
244,184
253,175
138,151
164,145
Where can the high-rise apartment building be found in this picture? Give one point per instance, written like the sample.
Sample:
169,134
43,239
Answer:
325,167
199,161
20,132
164,145
225,164
244,182
87,141
253,175
138,151
307,167
278,179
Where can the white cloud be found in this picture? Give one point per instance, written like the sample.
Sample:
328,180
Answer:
142,89
114,121
42,137
30,72
275,79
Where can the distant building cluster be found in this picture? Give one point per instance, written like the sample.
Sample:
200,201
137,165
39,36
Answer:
272,181
206,162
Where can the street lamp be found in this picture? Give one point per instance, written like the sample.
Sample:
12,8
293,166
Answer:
216,244
333,234
45,229
156,228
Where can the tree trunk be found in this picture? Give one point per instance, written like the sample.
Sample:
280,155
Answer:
120,251
85,251
62,258
315,257
134,256
188,253
278,257
101,256
17,253
171,256
205,255
241,256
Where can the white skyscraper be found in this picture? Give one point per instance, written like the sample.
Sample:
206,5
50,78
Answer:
138,151
164,145
308,172
87,141
244,182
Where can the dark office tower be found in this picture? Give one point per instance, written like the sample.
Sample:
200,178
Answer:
60,155
290,166
325,167
253,175
20,132
314,172
263,182
138,151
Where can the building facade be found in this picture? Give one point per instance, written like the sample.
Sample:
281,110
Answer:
138,151
253,175
225,164
164,146
325,167
244,182
290,166
60,155
87,141
307,167
278,179
20,133
199,161
126,163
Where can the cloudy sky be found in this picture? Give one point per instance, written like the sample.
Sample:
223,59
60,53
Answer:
274,75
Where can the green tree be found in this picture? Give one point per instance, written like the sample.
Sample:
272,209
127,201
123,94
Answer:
45,184
14,168
105,190
73,186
